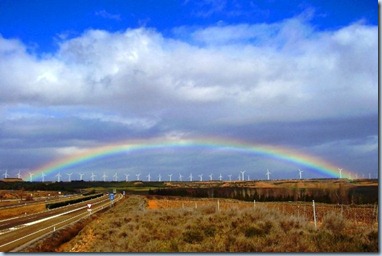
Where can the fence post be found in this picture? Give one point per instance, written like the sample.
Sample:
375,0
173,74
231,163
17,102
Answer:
342,210
314,215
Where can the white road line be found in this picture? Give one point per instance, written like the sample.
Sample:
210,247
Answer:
52,217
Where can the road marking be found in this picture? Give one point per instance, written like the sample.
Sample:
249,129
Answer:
52,217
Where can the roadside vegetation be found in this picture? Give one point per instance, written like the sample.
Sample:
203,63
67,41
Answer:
132,226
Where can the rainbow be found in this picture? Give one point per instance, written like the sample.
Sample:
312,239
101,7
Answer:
282,153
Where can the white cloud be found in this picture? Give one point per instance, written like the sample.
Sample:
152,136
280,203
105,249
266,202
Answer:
262,72
107,15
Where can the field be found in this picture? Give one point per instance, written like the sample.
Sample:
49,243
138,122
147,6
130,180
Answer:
365,214
141,224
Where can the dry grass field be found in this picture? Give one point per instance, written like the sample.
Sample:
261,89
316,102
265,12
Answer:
140,224
25,209
361,214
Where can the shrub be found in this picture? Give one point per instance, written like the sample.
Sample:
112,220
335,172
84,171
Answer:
193,236
333,222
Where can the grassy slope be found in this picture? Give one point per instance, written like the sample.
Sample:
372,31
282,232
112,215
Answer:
130,227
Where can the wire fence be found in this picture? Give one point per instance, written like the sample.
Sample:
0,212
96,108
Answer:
361,214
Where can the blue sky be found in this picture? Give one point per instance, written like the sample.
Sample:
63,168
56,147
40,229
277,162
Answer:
79,74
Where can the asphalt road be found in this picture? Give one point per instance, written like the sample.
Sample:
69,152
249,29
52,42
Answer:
17,233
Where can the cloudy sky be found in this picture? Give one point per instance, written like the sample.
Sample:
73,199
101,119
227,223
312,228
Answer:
75,75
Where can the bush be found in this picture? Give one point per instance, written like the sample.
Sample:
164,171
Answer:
333,222
193,236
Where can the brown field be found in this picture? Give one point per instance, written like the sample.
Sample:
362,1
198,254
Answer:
25,209
365,214
140,224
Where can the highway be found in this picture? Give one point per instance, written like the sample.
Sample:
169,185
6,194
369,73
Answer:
17,233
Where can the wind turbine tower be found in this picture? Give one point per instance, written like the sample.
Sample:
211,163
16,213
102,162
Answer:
170,175
127,177
230,177
267,173
92,176
180,177
220,177
58,175
69,176
104,177
210,176
6,174
81,175
115,176
340,170
30,176
19,175
190,176
148,177
43,177
300,172
159,177
242,175
201,177
138,174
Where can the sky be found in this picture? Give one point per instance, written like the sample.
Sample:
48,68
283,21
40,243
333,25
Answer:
77,75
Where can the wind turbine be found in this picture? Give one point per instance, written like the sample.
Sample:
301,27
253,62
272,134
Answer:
92,176
104,177
300,172
58,175
127,177
220,177
30,176
201,177
170,175
180,177
19,175
210,176
5,174
43,177
248,177
230,177
115,176
242,175
138,174
267,173
81,175
69,176
340,170
159,177
148,177
190,176
239,177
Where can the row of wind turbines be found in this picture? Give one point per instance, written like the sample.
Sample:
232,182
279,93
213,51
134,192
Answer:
240,177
